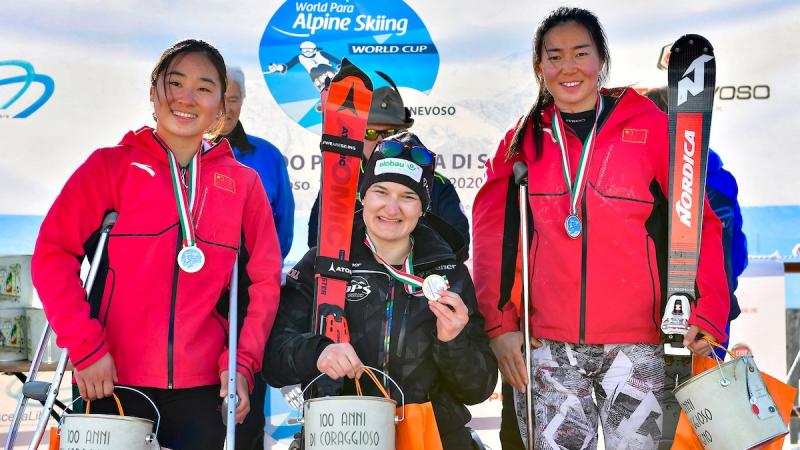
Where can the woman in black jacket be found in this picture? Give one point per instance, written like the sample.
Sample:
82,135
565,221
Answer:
437,350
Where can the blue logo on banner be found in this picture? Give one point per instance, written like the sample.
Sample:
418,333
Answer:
306,40
25,81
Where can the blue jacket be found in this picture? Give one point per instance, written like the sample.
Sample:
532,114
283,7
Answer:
722,190
268,161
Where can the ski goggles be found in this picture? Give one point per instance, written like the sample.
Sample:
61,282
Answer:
420,155
372,134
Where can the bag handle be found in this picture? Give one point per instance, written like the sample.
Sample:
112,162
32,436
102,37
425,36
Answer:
374,379
116,400
119,406
714,343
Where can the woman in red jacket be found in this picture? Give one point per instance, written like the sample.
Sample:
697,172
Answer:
187,210
598,174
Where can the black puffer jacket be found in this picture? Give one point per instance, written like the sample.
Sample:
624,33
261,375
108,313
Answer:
449,374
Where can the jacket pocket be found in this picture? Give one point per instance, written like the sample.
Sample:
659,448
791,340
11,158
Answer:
625,173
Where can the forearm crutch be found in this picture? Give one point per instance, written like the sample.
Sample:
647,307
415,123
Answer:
43,391
232,399
521,178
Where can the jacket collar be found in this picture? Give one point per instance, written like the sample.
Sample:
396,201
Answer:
145,139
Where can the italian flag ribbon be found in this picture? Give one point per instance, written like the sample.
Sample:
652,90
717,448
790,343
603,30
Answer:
185,195
411,282
575,187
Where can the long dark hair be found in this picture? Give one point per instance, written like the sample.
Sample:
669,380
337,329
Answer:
193,46
559,16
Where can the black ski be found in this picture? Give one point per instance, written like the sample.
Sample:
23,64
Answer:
691,75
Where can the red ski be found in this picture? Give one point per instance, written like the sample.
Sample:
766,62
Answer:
345,101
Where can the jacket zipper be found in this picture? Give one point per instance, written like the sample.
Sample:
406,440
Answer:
171,334
584,246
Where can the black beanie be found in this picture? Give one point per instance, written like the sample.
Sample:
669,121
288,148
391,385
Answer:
401,169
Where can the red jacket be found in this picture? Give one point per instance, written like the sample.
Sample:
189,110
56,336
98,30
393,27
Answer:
158,322
607,285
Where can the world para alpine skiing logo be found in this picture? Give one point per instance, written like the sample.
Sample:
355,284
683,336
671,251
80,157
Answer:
306,41
25,104
695,84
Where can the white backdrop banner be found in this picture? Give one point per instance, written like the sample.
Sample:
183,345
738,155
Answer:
74,76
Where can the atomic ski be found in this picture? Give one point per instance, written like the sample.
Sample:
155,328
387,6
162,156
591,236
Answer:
345,101
691,75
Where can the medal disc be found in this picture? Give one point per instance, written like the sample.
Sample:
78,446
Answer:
573,226
433,285
191,259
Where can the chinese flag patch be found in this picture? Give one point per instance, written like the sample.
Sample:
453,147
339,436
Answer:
224,182
634,136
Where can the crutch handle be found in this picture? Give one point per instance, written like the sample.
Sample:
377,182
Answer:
520,173
36,390
110,219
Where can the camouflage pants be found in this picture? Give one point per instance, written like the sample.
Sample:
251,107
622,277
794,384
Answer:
628,385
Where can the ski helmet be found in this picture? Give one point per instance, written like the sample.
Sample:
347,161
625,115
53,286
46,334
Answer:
308,48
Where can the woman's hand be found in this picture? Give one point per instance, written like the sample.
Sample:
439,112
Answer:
97,380
451,314
694,341
242,391
338,360
509,350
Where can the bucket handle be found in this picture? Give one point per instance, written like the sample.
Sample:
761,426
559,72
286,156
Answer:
369,370
119,405
723,380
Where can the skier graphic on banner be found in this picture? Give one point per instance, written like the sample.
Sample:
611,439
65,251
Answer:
318,63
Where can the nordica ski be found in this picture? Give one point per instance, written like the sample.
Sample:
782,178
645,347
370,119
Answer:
346,101
691,75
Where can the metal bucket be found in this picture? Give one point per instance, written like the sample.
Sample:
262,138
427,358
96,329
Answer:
350,422
108,432
13,335
729,406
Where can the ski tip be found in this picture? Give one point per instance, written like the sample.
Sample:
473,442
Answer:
348,69
692,40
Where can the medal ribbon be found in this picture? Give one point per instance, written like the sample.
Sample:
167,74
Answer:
405,276
185,206
576,187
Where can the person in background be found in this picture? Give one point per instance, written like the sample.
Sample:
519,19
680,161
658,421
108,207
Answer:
261,156
387,116
267,160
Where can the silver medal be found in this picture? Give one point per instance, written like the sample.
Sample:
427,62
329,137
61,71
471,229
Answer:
573,226
191,259
433,286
